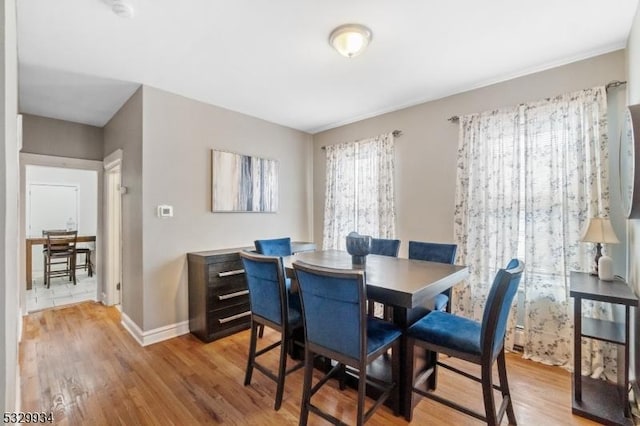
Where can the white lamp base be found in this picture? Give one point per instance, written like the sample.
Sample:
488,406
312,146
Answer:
605,268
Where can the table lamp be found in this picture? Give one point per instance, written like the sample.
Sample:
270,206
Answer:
600,231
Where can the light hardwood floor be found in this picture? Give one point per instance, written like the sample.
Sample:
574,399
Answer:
79,363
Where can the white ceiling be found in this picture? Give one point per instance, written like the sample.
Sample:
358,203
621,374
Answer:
271,59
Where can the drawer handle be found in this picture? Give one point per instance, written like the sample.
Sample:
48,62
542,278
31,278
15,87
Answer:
232,295
234,317
231,273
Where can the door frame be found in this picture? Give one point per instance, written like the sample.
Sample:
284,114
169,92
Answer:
27,159
112,163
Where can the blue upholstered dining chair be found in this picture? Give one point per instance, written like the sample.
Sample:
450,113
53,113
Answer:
383,247
435,252
274,307
337,327
478,343
274,246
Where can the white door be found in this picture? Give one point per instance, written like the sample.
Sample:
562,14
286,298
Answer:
51,206
113,279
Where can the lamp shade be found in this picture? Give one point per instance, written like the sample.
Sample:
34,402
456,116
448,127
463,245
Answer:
350,39
600,230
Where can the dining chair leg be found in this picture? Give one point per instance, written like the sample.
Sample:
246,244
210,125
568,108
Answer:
282,370
487,393
432,360
46,272
504,386
252,354
362,389
89,264
306,387
408,389
73,269
343,376
260,331
395,377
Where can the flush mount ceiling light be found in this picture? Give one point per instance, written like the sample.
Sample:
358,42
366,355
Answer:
122,8
350,39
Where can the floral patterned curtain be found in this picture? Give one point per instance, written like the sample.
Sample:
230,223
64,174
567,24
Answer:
359,192
529,179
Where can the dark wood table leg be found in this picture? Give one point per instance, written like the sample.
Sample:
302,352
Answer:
401,319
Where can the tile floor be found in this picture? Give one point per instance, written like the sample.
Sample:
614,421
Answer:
61,292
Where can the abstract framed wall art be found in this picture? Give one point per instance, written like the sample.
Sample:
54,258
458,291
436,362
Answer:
243,183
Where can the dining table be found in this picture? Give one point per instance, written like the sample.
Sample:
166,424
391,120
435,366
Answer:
34,241
408,286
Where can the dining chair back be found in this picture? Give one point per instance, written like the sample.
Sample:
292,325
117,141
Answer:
274,307
435,252
274,246
478,343
385,247
346,335
60,250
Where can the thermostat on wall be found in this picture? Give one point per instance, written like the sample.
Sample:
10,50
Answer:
165,211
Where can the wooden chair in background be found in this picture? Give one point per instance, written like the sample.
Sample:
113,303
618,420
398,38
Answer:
87,265
60,250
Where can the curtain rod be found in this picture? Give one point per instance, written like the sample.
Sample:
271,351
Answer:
395,133
614,83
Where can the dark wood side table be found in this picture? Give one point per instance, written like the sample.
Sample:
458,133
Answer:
597,399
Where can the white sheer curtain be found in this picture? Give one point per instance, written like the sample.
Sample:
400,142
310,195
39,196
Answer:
359,192
529,180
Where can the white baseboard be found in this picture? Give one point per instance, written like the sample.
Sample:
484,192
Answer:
146,338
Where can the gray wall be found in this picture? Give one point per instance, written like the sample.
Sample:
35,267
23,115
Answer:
9,176
178,136
48,136
124,131
426,151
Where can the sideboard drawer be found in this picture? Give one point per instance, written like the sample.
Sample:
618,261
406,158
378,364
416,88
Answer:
224,322
230,284
233,297
225,269
230,316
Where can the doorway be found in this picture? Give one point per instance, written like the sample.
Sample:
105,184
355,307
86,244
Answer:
38,169
57,199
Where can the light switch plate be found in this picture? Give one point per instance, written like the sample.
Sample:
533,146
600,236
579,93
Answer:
165,211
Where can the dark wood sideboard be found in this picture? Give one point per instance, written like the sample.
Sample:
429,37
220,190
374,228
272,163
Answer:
218,294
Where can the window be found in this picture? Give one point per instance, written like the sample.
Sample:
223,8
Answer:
359,194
